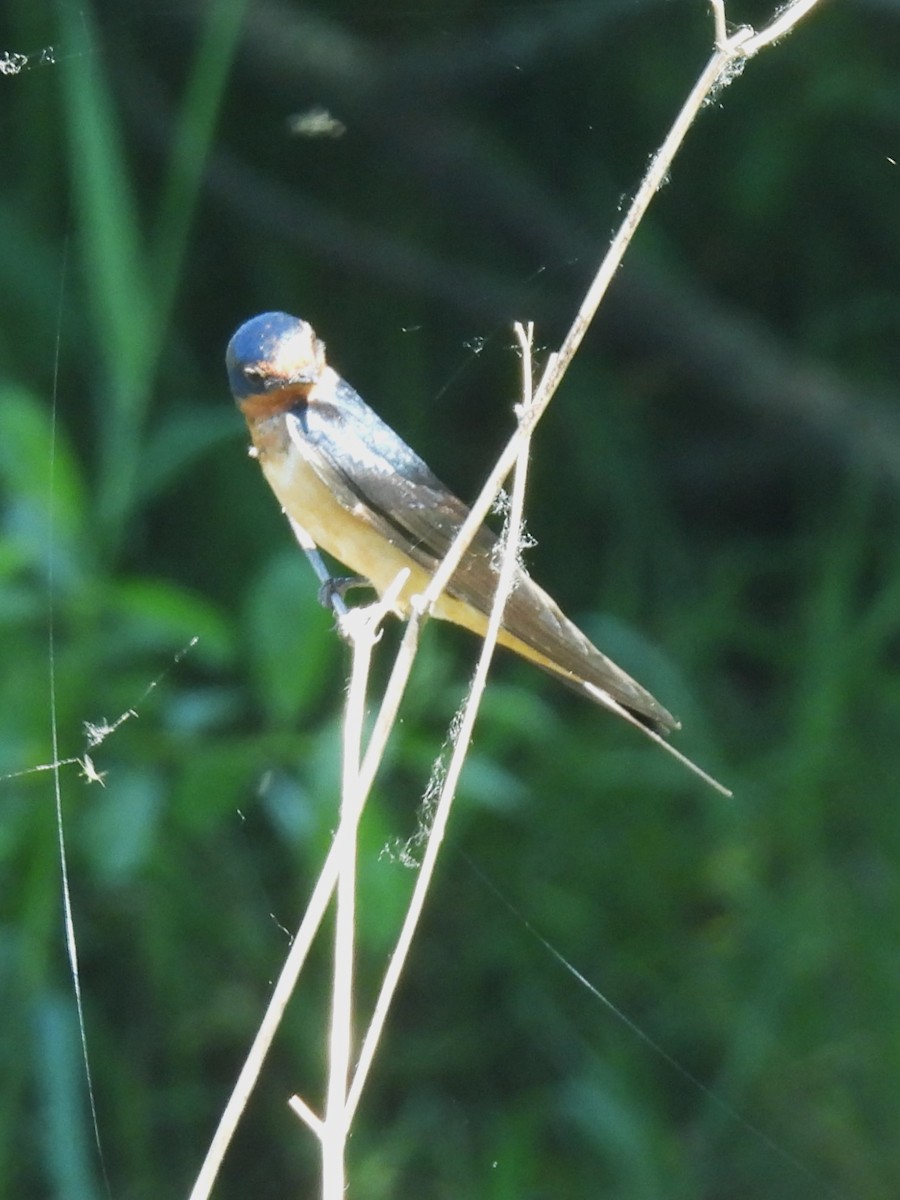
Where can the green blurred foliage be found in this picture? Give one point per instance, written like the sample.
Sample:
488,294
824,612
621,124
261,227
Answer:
714,494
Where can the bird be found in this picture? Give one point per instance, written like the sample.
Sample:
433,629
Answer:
369,501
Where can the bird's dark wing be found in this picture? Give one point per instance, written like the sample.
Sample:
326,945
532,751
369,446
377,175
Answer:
374,474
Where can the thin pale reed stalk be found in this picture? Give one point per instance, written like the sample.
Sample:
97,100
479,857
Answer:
464,727
731,52
290,972
335,1126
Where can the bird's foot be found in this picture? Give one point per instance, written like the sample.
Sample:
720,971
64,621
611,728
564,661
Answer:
338,586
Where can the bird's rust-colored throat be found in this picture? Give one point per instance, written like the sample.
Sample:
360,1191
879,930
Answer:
272,403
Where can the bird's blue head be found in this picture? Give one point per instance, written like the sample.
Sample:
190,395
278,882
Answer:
271,352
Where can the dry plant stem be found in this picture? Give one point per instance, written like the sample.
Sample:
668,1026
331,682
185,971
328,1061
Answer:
464,727
306,1115
363,633
721,25
780,25
390,704
741,46
284,988
730,53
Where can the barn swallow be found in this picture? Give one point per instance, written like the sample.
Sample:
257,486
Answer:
367,499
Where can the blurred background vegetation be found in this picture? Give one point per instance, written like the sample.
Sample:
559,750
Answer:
714,495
